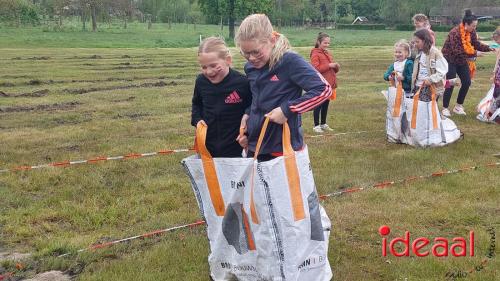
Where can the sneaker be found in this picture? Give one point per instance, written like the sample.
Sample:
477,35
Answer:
482,118
459,109
446,112
317,129
325,127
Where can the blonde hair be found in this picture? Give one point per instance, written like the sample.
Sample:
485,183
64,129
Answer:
421,18
258,27
403,44
214,45
496,33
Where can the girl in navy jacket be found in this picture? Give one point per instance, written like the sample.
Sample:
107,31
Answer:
277,78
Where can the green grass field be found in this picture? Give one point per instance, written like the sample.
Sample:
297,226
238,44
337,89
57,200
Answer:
180,35
78,103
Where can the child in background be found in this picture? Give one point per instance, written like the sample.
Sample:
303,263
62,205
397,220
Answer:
495,105
494,102
322,60
402,66
277,78
221,96
429,68
399,73
420,21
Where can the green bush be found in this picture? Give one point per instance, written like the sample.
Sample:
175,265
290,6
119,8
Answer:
442,28
404,27
485,28
361,26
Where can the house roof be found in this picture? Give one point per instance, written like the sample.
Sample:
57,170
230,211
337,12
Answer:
360,19
493,11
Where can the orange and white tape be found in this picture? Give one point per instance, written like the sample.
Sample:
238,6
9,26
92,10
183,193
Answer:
145,235
383,184
129,156
95,160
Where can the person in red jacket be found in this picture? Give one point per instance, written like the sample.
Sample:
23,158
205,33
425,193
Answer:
323,62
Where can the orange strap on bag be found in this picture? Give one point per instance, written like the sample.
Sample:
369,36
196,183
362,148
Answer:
291,170
415,109
292,173
433,108
397,102
209,170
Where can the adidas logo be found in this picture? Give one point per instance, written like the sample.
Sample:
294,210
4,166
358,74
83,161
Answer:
275,78
233,98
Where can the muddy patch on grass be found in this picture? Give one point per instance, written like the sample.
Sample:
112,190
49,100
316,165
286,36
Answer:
36,82
41,107
35,94
16,76
133,115
132,67
73,147
39,82
122,87
50,276
124,100
32,58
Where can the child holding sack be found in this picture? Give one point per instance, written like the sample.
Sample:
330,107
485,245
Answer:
277,78
489,107
399,74
427,129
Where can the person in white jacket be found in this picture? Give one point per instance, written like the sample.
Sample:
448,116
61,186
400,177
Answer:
430,66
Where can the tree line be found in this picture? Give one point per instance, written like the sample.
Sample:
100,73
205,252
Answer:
222,12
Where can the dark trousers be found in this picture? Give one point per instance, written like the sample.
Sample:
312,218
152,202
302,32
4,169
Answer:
323,110
464,74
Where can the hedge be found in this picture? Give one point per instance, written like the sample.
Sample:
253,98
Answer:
361,26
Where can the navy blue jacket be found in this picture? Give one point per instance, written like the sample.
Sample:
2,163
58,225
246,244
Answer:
283,86
221,106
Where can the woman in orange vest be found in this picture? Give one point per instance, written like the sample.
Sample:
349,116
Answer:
323,61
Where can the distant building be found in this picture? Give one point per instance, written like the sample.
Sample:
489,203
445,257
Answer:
452,15
360,20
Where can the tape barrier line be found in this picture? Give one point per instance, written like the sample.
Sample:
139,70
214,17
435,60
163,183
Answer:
145,235
341,134
322,197
409,179
6,276
96,160
131,156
